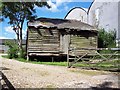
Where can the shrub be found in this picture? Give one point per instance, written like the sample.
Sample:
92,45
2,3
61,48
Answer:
13,49
106,39
22,53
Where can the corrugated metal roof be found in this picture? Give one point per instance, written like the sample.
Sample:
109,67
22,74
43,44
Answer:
61,24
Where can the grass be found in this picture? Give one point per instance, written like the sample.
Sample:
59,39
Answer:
104,65
34,62
111,65
51,63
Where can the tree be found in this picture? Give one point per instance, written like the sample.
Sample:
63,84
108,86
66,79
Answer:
1,19
18,12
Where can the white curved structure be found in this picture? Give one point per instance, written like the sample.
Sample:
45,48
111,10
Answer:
102,14
77,13
105,15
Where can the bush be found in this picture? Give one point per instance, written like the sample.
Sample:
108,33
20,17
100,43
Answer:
13,49
106,39
22,53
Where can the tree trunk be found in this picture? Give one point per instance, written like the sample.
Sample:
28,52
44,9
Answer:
21,48
21,39
18,37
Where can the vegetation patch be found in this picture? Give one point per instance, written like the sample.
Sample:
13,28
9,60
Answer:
106,39
109,65
13,49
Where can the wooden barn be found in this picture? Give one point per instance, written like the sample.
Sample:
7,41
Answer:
56,37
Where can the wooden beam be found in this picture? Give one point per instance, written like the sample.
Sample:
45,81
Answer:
68,61
79,58
45,51
114,49
43,54
101,56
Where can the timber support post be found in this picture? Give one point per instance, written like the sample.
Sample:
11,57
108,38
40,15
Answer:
52,59
27,58
68,61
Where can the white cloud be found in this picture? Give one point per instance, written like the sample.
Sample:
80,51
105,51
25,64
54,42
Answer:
66,8
24,34
1,37
9,32
55,4
60,2
9,29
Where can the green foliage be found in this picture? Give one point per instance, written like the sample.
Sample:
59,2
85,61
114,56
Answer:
106,39
13,49
22,53
18,12
1,19
0,7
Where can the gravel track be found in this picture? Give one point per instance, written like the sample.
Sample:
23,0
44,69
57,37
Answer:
28,75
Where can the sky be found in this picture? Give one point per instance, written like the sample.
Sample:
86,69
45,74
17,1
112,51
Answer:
59,9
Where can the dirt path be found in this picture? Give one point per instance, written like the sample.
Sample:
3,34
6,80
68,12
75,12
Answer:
27,75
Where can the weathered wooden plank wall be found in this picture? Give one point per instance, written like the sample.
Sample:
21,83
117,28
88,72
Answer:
82,42
53,40
43,40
